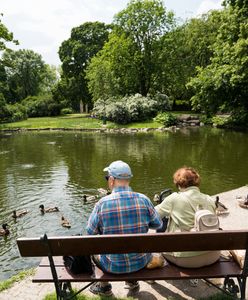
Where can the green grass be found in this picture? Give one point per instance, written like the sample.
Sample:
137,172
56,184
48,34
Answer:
219,296
16,278
75,121
86,297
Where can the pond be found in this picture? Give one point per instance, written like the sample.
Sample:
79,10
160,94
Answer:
57,168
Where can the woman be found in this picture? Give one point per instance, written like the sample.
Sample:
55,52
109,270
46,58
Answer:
180,207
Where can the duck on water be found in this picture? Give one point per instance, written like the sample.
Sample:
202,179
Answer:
48,210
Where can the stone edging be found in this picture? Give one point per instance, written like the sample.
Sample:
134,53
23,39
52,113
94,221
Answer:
97,130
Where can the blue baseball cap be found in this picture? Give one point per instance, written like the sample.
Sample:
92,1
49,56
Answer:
119,169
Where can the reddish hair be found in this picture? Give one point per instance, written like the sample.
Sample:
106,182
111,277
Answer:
185,177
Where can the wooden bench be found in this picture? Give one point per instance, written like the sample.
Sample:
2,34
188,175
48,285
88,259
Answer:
51,268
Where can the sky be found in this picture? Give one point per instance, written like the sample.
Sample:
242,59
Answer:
43,25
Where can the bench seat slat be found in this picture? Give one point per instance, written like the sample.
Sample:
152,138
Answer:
217,270
59,262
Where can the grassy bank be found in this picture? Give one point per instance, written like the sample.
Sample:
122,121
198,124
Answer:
86,297
16,278
74,121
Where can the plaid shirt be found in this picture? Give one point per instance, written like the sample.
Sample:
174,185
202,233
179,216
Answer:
123,212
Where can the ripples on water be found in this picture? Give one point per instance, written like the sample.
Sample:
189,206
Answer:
56,170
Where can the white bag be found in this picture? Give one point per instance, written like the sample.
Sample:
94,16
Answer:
205,220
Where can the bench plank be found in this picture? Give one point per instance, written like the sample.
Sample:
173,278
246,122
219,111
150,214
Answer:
128,243
217,270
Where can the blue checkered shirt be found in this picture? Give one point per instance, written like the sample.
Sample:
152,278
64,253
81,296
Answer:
123,212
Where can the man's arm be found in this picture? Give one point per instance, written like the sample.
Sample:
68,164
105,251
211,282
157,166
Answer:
93,227
155,220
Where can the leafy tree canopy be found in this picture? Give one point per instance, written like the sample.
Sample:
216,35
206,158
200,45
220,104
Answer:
5,35
144,21
223,84
184,48
75,53
25,71
129,59
112,72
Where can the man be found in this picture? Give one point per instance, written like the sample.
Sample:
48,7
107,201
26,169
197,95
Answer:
121,212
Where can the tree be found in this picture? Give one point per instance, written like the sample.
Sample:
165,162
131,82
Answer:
5,36
182,50
112,72
3,81
75,54
144,22
49,80
223,84
25,70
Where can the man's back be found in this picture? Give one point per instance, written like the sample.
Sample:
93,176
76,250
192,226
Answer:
123,212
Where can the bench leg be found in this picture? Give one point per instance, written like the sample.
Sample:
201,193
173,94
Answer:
228,287
66,290
231,286
242,285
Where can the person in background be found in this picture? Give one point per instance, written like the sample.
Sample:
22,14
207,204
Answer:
122,212
180,208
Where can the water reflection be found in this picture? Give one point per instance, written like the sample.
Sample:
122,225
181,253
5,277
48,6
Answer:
57,169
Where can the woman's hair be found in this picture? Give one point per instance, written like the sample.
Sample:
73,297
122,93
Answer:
185,177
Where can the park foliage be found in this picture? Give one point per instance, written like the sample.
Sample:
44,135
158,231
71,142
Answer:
118,70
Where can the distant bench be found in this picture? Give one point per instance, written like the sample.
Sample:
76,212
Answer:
51,268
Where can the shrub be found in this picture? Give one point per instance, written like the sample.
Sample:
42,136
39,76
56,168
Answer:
11,112
118,113
164,102
206,120
220,121
15,112
100,107
3,108
167,119
239,117
133,108
41,106
181,105
141,108
66,111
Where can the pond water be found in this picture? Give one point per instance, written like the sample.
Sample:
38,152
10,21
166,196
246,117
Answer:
57,168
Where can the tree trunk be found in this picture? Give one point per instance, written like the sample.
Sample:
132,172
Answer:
81,107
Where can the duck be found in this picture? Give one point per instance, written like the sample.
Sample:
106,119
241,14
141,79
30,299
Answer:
65,222
48,210
221,209
103,192
90,198
244,203
4,230
156,198
18,214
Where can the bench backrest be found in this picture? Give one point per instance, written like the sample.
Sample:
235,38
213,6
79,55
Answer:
128,243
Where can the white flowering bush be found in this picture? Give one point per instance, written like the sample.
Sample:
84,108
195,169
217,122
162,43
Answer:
134,108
